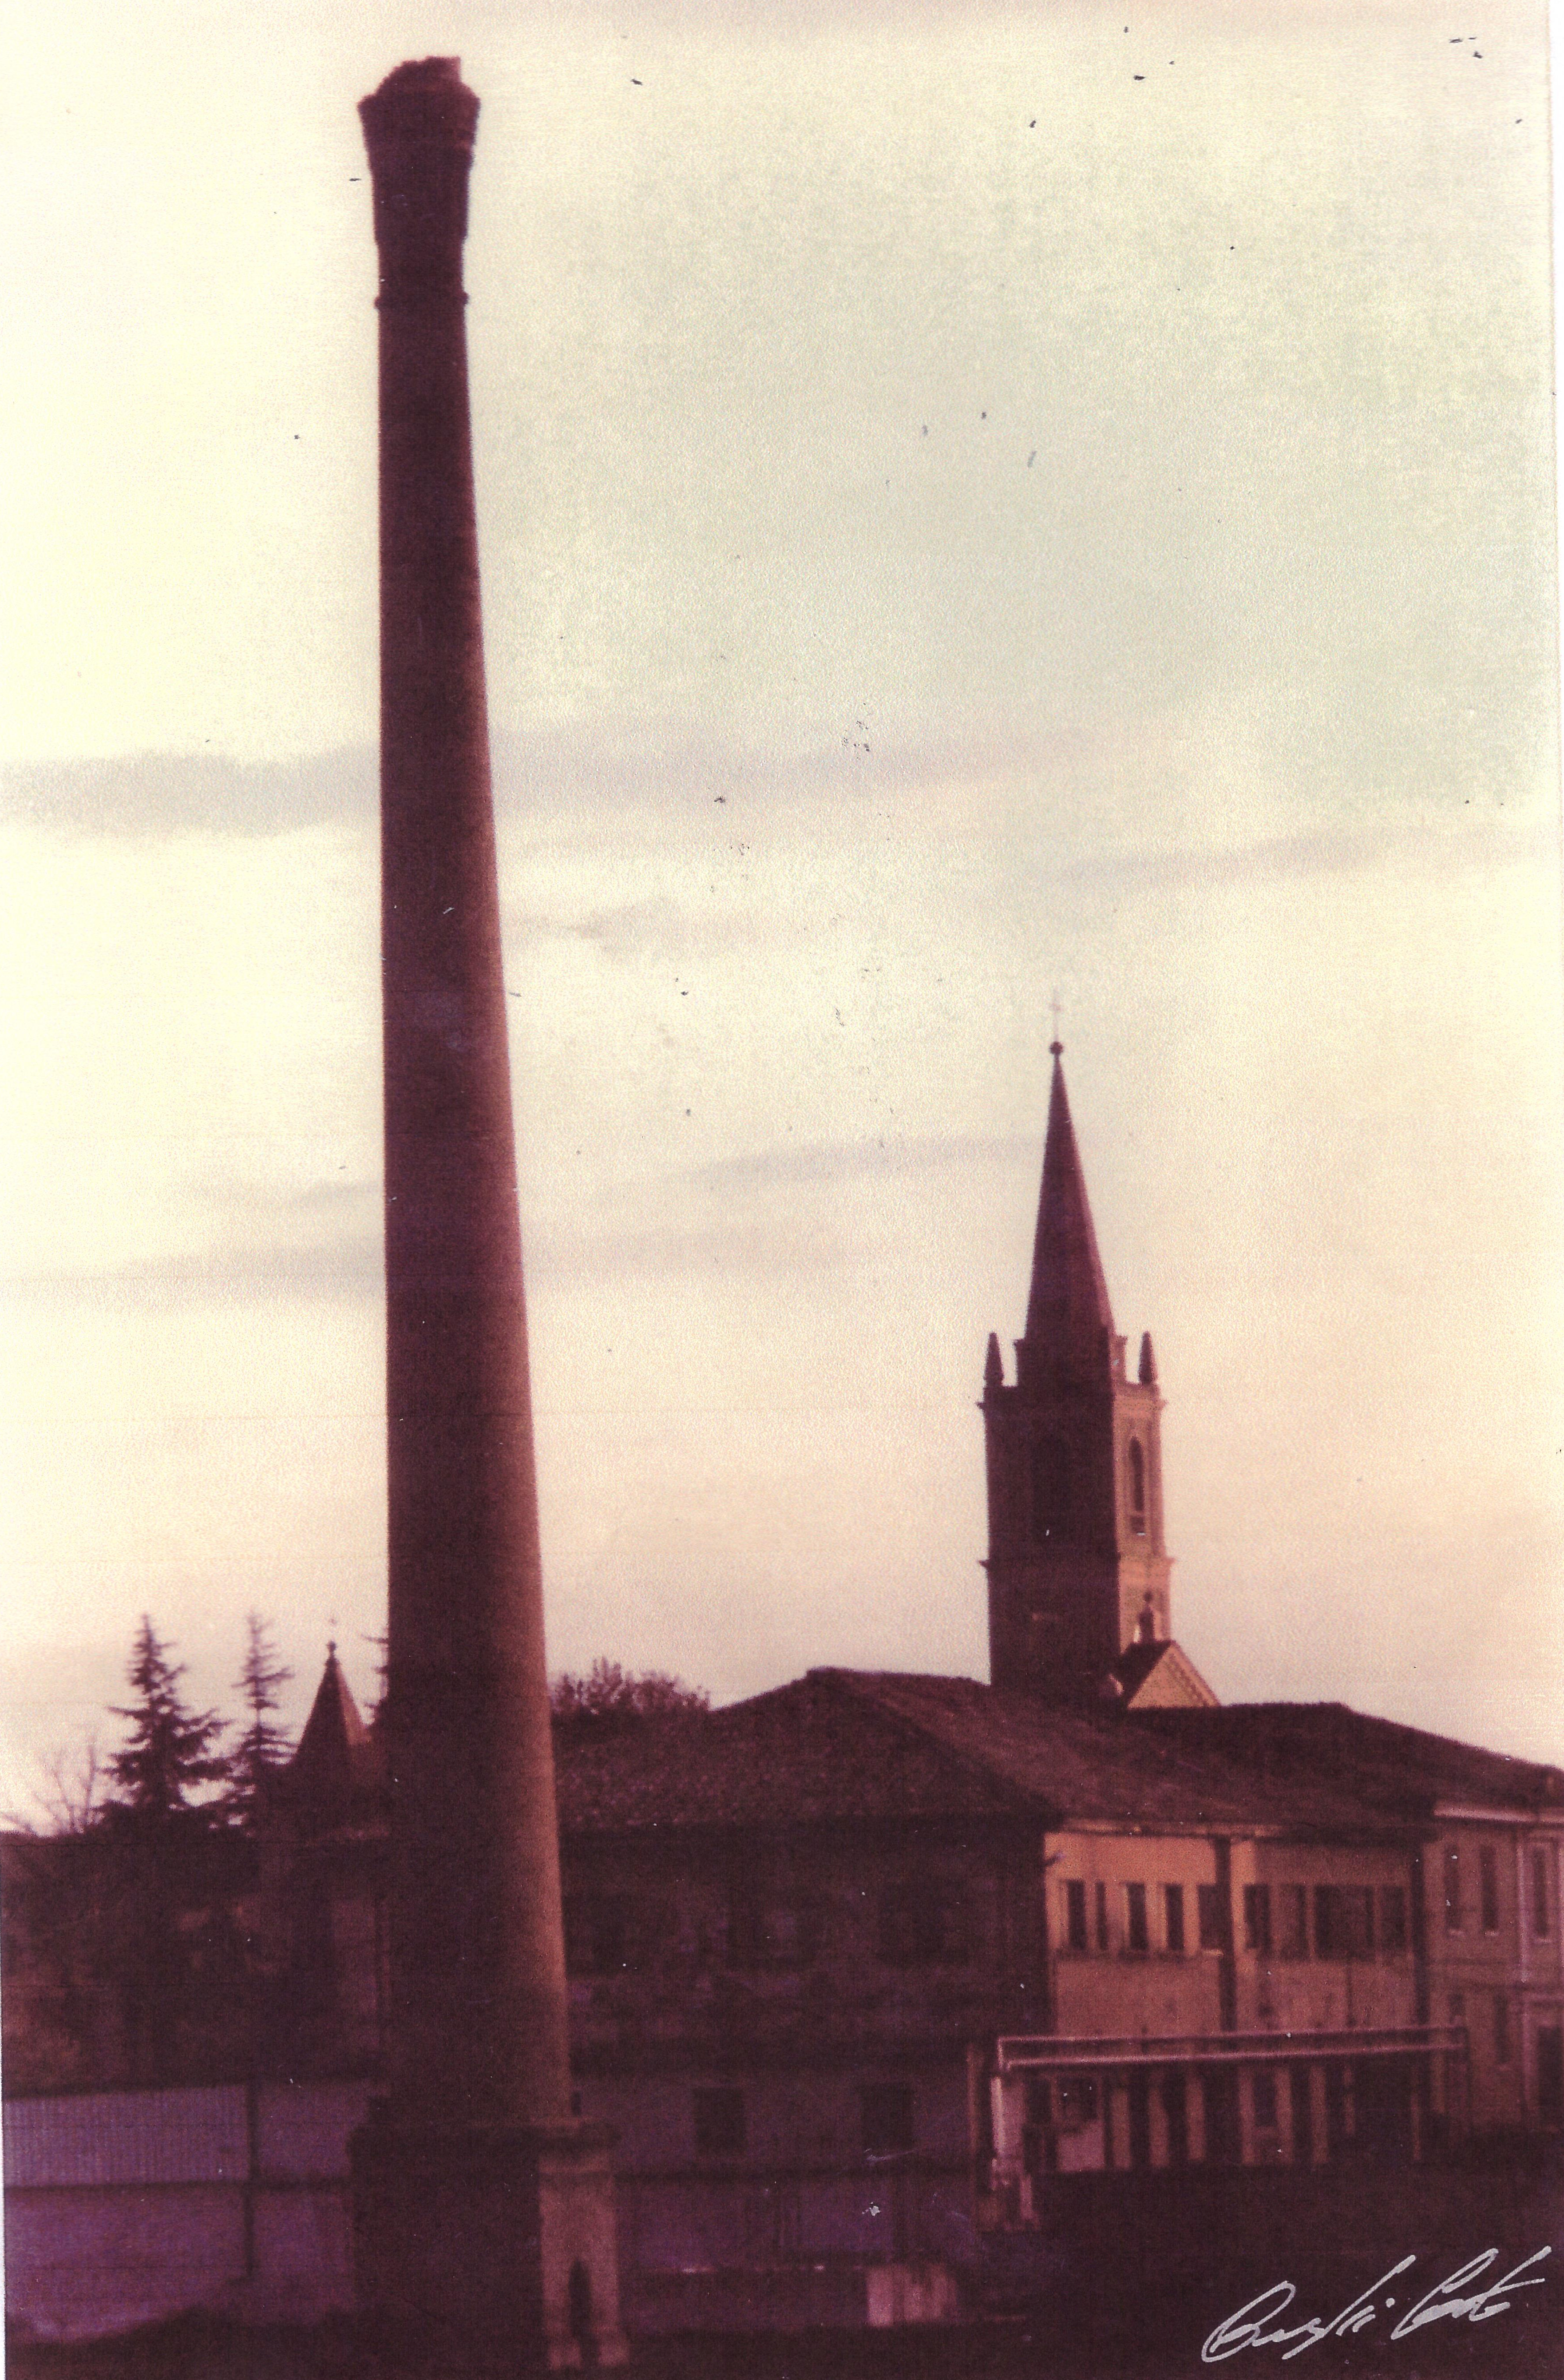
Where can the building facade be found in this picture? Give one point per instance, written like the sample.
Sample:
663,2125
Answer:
866,1972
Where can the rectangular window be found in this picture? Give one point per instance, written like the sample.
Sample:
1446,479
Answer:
1542,1912
1138,1937
761,1933
1175,2111
1076,1915
1393,1919
1102,1917
719,2123
1336,2132
1295,1921
1224,2141
1458,2007
1257,1918
1137,2095
1303,2115
909,1927
1487,1884
1077,2100
921,1924
1264,2088
887,2112
1173,1917
1208,1914
1343,1921
1452,1889
596,1934
1501,2029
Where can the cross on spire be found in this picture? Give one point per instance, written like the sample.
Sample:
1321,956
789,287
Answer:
1056,1046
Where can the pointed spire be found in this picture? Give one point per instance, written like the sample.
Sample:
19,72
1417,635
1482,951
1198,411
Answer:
333,1715
993,1366
335,1753
1068,1315
1147,1361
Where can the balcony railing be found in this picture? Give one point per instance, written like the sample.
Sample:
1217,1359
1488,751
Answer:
1022,2052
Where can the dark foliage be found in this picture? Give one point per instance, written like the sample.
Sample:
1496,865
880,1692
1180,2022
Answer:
608,1692
171,1753
262,1746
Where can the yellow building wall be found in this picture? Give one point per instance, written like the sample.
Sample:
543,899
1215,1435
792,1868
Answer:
1116,1989
1311,1993
1504,1980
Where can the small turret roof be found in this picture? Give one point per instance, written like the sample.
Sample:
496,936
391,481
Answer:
338,1762
334,1713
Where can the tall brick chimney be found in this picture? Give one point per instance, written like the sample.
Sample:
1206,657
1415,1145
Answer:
484,2213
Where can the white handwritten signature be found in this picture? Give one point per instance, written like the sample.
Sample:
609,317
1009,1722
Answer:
1247,2327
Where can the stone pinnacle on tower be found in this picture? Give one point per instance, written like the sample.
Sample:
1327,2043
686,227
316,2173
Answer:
476,2139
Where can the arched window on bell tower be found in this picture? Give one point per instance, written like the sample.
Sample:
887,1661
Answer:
1053,1492
1137,1488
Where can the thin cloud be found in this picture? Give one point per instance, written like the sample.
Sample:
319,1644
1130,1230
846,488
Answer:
735,1245
1438,847
338,1205
1085,786
856,1160
355,1270
345,1257
151,795
631,930
220,1277
147,795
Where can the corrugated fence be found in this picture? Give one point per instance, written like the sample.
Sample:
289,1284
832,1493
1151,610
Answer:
126,2207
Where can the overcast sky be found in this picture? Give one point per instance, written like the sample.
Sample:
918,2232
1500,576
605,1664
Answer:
974,504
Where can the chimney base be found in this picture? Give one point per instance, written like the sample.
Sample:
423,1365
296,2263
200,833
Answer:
487,2250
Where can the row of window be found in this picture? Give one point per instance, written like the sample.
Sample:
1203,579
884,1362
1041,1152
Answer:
1349,1921
885,2119
928,1922
922,1924
1367,2108
1487,1890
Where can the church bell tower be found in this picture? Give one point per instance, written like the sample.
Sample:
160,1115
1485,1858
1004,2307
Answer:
1079,1607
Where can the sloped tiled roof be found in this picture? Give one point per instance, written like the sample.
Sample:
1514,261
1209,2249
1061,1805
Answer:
812,1750
1394,1767
1090,1765
842,1744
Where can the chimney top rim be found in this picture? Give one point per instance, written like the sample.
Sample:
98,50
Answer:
422,72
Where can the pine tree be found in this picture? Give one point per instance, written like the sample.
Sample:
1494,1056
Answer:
172,1750
263,1745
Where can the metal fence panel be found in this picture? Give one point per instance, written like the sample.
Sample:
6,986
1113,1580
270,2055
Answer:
107,2137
